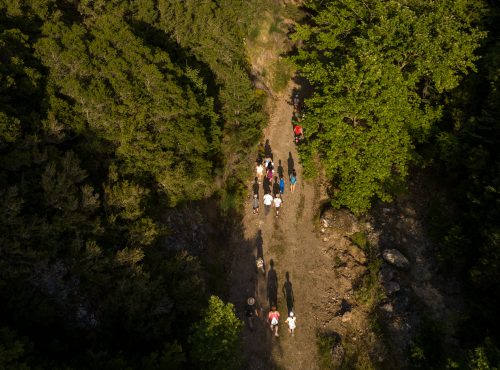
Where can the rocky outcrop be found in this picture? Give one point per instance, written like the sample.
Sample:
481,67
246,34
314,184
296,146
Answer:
395,258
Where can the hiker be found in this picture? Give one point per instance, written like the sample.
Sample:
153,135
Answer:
255,204
267,161
259,265
273,319
251,311
282,185
268,201
276,186
277,204
293,181
292,323
255,187
259,171
298,133
270,174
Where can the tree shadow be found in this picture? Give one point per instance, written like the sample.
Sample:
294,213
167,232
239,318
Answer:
288,293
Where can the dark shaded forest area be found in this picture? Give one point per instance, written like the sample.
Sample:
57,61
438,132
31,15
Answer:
116,118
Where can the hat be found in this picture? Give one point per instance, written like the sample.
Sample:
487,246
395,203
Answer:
251,301
291,314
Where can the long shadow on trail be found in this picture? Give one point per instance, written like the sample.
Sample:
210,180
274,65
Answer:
272,285
288,293
246,281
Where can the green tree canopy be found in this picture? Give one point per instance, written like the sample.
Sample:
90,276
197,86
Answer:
215,340
378,69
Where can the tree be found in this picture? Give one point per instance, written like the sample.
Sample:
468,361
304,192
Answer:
215,339
378,69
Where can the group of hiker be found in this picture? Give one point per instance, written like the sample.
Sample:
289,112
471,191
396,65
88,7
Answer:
273,192
273,197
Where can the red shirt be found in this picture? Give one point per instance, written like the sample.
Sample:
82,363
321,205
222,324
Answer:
273,314
298,130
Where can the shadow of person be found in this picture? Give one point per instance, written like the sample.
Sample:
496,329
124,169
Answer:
288,293
260,243
290,164
280,169
256,186
267,149
272,285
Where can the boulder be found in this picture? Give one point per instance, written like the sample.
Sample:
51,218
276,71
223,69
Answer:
385,274
395,258
387,308
391,287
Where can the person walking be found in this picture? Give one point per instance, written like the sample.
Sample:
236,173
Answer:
282,185
259,171
268,201
255,204
273,318
250,312
270,174
292,323
276,186
293,181
277,204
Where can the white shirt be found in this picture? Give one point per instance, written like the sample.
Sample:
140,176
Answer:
277,202
267,200
260,169
291,322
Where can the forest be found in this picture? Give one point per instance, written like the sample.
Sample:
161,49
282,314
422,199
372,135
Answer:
126,124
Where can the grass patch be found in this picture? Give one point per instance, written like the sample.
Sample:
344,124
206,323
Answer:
359,238
325,342
283,71
253,33
275,26
427,350
369,291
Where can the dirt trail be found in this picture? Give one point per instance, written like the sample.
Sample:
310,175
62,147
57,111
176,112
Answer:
292,244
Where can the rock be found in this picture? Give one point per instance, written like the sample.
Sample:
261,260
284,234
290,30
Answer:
325,239
325,222
401,302
387,308
385,274
391,287
357,254
395,258
346,317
